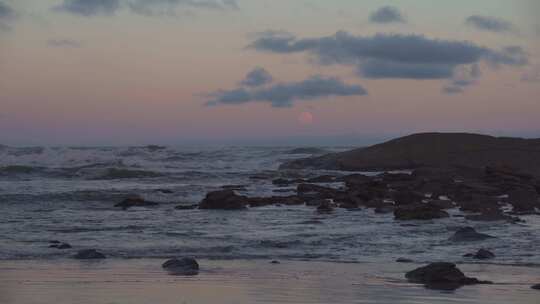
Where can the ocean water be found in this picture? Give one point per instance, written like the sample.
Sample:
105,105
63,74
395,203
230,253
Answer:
68,194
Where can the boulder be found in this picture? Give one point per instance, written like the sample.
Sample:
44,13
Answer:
89,254
524,200
135,202
325,206
441,275
186,207
223,200
404,260
467,234
181,266
481,254
536,286
407,197
419,212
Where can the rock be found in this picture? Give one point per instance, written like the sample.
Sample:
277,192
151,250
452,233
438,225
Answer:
89,254
282,182
536,286
275,262
274,200
404,260
224,200
322,179
445,276
165,191
186,207
419,212
54,242
60,246
467,234
442,204
493,217
385,208
325,206
524,200
182,266
135,202
234,187
481,254
407,197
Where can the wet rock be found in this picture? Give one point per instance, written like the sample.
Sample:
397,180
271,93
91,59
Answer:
524,200
536,286
89,254
385,208
60,246
282,182
404,260
165,191
234,187
322,179
274,200
442,204
407,197
223,200
493,217
445,276
275,262
467,234
325,206
135,202
182,266
186,207
419,212
481,254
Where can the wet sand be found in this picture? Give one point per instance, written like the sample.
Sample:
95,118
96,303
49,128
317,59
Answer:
143,281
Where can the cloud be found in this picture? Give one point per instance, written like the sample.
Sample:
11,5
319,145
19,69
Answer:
285,94
491,24
257,77
169,7
64,43
463,77
391,55
387,14
89,8
451,90
7,15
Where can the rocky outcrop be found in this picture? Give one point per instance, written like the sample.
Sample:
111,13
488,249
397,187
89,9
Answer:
468,234
181,266
482,254
135,202
442,150
441,275
419,212
60,246
224,200
89,254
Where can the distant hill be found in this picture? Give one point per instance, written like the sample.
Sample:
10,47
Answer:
433,150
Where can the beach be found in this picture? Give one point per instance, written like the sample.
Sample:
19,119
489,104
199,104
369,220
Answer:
143,281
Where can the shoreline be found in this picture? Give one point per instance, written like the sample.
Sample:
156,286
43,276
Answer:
249,281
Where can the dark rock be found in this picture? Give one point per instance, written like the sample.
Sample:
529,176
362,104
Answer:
441,275
467,234
282,182
135,202
186,207
385,208
524,200
234,187
442,204
407,197
536,286
54,242
89,254
404,260
325,206
397,177
224,200
165,191
182,266
275,262
274,200
493,217
419,212
481,254
60,246
322,179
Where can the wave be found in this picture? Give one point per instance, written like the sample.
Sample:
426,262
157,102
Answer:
115,173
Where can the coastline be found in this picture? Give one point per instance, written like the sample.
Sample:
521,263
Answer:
249,281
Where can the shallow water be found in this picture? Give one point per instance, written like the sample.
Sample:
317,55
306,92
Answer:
68,194
143,281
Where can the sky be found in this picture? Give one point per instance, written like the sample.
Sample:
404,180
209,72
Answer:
129,72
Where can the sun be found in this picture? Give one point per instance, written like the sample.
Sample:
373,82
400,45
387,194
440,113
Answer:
305,118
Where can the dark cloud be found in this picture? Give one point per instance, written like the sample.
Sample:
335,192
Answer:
88,8
387,14
285,94
391,55
492,24
257,77
7,15
64,43
463,77
169,7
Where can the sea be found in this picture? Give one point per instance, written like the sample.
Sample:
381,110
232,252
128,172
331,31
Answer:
68,194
